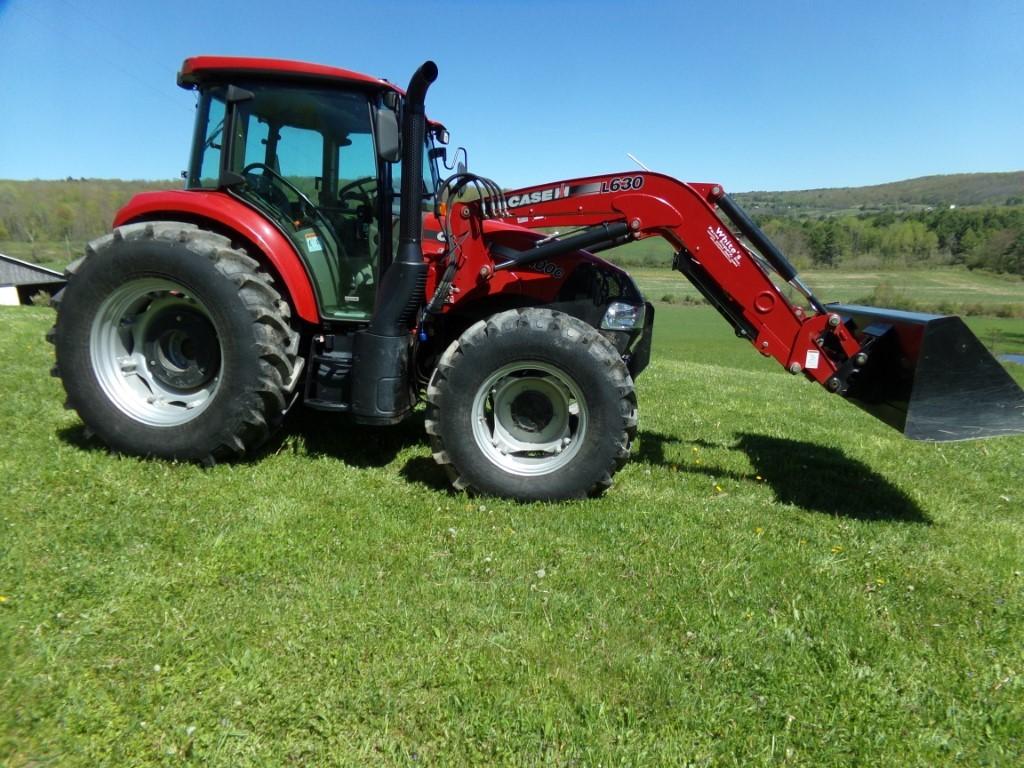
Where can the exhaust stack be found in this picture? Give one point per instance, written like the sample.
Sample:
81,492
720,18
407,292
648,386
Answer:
401,291
381,391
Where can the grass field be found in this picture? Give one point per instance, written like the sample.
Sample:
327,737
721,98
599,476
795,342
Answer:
931,287
55,255
776,578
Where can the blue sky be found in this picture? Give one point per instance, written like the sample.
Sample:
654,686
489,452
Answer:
773,95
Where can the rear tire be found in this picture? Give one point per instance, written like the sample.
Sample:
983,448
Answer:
531,404
171,343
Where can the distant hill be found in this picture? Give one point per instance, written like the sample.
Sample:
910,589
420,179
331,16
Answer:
959,189
82,208
47,222
70,208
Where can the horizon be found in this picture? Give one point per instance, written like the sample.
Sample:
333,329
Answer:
68,179
791,97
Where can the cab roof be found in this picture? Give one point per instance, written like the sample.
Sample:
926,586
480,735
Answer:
198,68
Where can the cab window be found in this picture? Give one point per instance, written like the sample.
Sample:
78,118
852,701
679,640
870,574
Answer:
306,159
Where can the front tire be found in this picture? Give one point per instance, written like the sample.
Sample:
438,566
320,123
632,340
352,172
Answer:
531,404
171,343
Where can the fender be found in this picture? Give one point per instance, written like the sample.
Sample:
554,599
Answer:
236,217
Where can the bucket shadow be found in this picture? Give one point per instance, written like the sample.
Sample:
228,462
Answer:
810,476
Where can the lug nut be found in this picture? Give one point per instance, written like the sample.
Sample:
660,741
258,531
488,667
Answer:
832,385
860,359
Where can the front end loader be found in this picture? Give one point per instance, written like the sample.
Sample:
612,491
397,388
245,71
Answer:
318,255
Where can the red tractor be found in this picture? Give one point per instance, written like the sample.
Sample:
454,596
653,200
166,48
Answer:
318,254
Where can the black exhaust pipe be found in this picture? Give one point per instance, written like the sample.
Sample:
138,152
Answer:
381,387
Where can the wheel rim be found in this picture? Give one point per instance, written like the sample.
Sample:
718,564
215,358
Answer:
529,418
155,352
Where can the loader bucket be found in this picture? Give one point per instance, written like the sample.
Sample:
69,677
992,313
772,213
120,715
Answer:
928,376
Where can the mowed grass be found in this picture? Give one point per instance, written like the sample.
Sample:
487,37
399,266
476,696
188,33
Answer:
928,286
775,578
700,334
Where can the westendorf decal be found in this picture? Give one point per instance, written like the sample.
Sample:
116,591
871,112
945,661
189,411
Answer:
721,239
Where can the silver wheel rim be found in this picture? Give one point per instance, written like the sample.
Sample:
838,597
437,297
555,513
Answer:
529,418
155,352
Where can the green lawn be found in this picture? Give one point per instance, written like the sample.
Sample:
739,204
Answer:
947,290
52,254
699,334
775,578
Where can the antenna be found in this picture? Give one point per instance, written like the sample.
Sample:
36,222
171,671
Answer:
632,157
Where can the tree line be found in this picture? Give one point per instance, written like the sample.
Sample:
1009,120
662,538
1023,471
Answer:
989,238
57,211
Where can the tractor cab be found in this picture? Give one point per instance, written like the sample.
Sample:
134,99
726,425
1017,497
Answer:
317,155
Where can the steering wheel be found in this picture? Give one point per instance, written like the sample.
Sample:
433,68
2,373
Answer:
355,190
304,201
270,173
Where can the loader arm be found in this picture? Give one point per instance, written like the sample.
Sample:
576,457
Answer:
926,375
622,207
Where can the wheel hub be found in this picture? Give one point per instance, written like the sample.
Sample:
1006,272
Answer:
529,418
532,411
181,348
155,352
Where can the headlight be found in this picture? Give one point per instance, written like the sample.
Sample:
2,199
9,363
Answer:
621,316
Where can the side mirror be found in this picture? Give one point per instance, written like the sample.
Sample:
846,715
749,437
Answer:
389,138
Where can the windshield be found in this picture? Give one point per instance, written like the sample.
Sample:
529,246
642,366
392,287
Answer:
306,158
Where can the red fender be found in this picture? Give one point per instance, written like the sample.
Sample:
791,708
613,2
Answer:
236,217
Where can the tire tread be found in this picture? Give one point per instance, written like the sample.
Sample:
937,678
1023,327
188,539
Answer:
548,321
276,342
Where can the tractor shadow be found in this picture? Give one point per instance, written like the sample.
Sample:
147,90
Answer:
423,470
807,475
79,437
317,433
338,436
